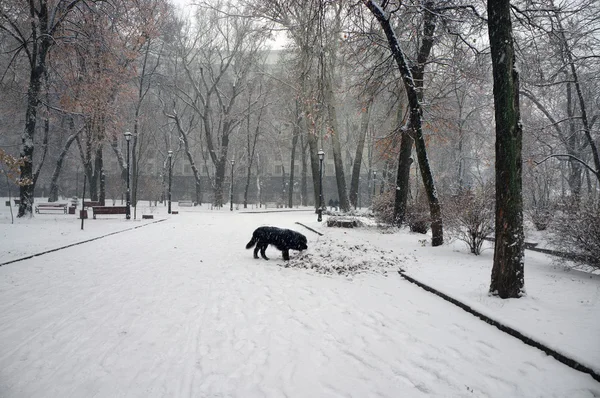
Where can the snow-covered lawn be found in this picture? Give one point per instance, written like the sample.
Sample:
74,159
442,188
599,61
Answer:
180,308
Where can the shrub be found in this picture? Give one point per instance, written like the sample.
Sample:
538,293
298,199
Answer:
541,214
383,207
576,230
469,216
417,214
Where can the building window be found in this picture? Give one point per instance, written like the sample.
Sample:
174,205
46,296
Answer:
278,169
187,169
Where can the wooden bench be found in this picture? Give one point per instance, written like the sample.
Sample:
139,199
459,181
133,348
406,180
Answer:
185,203
51,206
109,210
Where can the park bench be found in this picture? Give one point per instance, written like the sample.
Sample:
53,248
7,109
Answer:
185,203
51,206
91,203
109,210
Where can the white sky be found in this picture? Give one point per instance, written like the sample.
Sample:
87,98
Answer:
278,43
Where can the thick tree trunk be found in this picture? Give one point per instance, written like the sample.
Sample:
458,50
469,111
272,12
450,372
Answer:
508,271
27,186
219,180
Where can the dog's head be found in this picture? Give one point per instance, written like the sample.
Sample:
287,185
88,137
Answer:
300,242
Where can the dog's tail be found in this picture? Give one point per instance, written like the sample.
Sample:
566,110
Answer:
252,242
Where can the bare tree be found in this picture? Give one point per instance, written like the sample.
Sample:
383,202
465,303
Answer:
217,59
35,28
413,83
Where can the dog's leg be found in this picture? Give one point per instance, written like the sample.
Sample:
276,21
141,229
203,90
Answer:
286,255
256,249
262,251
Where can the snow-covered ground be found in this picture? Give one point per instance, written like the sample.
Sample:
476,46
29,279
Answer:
179,308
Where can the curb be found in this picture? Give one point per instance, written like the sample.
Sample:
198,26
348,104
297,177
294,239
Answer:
78,243
527,340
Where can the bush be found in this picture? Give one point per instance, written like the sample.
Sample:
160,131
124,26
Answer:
541,214
417,214
576,230
469,216
383,207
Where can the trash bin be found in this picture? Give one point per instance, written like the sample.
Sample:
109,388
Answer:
83,214
71,209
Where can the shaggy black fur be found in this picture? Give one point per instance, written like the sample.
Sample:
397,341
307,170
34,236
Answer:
283,239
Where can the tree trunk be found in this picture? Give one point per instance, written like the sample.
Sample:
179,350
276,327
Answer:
403,178
219,179
364,127
573,148
304,172
27,187
508,271
53,195
292,164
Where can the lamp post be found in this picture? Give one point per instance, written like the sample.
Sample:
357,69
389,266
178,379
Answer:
170,177
320,211
374,182
128,195
231,187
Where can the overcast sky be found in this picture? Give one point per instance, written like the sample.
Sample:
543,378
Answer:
278,43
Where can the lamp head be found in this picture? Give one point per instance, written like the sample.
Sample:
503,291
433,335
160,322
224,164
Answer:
232,161
170,153
127,135
321,154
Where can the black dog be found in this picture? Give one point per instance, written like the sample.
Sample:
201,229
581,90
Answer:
282,239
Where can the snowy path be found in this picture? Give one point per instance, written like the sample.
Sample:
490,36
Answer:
181,309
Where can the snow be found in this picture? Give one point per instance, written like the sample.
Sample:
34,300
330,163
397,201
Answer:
179,308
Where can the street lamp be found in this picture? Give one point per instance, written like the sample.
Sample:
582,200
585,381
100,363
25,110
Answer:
170,177
128,197
231,188
320,211
374,182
